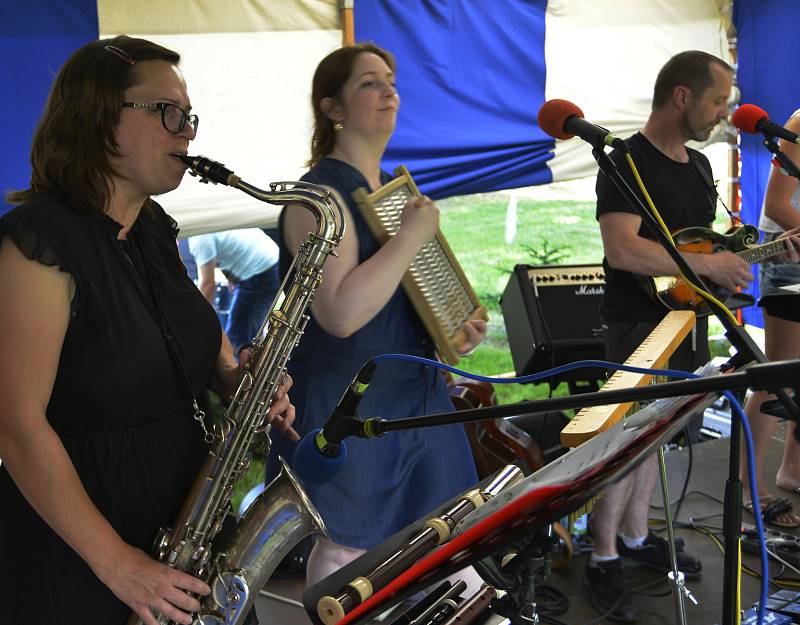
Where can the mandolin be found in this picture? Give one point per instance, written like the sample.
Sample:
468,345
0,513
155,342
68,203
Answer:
673,291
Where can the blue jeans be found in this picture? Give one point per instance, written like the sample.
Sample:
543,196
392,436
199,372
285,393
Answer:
250,304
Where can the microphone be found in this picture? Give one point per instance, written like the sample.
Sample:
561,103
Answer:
321,453
561,119
752,119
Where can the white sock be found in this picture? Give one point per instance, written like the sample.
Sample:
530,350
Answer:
595,559
633,543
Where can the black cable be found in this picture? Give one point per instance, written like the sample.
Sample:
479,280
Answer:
715,529
550,600
546,618
637,589
666,593
705,494
781,572
688,494
757,574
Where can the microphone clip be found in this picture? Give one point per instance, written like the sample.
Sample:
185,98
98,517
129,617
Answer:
340,426
786,164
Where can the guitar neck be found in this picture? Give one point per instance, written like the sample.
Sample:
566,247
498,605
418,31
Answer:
760,253
653,353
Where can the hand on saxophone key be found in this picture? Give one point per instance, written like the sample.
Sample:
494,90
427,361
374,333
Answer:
281,412
149,586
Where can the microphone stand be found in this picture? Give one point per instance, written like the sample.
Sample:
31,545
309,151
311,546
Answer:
765,376
746,350
786,163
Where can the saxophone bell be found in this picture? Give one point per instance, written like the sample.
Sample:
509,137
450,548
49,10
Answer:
279,518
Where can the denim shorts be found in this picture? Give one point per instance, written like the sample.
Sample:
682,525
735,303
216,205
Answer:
772,276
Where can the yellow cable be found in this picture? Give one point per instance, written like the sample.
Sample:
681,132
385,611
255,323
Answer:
699,290
739,584
789,584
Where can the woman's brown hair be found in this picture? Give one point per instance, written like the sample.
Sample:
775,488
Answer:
74,140
331,75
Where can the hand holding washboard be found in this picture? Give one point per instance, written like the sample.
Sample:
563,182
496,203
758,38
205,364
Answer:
434,282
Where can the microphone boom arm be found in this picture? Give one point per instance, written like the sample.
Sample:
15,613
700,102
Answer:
762,376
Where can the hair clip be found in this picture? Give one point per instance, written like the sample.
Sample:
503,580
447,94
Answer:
119,52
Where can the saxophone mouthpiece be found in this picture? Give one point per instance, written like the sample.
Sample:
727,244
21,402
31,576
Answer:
209,171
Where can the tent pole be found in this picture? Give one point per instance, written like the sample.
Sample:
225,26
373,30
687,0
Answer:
348,28
734,156
734,195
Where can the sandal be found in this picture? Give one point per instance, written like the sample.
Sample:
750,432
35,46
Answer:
772,508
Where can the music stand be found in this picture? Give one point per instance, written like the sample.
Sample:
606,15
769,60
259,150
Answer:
542,498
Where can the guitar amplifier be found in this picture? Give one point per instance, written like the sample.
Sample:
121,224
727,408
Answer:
552,317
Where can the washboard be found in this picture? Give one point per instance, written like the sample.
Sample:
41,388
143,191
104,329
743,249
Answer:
434,282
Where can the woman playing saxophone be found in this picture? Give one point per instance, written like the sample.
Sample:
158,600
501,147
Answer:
106,348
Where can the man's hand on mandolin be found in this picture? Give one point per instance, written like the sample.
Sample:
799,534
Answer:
725,269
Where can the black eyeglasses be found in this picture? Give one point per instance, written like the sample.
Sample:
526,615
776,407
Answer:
173,117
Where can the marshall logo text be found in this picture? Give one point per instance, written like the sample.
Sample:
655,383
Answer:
589,290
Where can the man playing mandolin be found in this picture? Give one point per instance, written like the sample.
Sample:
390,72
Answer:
690,98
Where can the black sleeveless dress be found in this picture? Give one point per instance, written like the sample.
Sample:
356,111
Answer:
118,403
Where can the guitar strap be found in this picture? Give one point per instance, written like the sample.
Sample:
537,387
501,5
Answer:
711,188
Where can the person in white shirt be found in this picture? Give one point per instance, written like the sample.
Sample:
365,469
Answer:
249,259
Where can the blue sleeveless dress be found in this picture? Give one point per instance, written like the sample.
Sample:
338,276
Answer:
387,483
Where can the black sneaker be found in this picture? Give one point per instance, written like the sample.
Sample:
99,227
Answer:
605,582
655,554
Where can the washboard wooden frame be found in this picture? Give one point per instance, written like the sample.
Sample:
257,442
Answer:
435,282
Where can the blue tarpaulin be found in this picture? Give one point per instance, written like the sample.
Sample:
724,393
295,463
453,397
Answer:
36,37
768,75
471,77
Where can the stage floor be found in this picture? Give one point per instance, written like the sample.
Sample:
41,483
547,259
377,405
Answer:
709,473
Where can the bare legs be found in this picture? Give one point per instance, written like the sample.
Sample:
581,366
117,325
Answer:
782,341
624,508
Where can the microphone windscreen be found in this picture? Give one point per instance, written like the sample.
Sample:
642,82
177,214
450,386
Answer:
554,113
747,116
313,467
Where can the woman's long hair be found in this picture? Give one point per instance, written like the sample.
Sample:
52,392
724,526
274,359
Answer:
74,140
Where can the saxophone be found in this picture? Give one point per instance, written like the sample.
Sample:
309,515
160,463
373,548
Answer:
282,514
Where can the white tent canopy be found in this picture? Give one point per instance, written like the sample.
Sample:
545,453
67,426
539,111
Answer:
249,66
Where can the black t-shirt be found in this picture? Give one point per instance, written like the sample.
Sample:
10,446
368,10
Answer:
683,197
